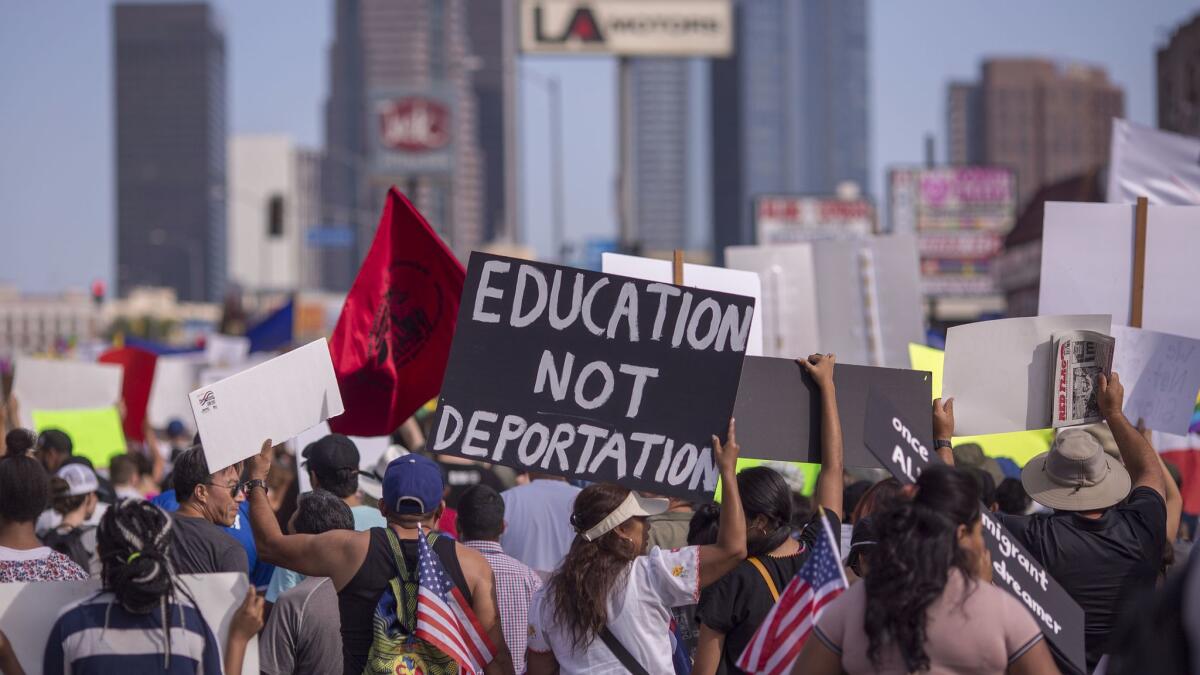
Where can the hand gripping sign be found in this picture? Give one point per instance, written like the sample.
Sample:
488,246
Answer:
890,438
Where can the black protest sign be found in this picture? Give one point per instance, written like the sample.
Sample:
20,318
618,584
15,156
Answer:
591,376
896,441
905,455
778,408
1056,613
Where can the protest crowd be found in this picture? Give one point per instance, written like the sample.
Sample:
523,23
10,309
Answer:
485,540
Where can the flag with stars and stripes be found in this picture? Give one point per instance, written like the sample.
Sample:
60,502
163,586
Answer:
817,583
444,619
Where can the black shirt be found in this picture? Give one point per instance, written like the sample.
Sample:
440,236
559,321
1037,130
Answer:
1101,562
737,604
459,477
357,601
200,547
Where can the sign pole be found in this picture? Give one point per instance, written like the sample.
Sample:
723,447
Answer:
677,267
1139,263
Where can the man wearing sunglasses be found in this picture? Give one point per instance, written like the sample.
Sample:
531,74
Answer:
208,502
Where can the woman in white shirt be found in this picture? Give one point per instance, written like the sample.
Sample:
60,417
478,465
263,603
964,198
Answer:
608,590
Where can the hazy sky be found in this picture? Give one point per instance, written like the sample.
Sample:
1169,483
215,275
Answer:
56,126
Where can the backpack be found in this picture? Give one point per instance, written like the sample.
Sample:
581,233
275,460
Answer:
395,650
70,544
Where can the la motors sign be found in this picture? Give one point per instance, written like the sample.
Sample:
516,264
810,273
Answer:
627,27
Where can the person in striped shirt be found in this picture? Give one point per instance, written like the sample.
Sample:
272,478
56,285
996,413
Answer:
123,628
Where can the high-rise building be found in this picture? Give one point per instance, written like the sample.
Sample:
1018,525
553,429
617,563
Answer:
169,89
485,25
1045,120
789,109
402,111
1179,80
660,111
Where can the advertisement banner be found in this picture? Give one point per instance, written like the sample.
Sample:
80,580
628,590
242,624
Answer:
953,198
411,131
627,27
783,219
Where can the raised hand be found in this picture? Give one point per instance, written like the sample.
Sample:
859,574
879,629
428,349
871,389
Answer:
943,419
1111,397
727,454
820,368
260,464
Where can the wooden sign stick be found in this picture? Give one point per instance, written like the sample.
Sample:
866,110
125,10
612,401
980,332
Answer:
1139,263
677,268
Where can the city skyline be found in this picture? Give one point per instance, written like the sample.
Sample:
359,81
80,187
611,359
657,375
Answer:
58,186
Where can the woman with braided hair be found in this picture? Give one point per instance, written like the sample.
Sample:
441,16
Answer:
143,620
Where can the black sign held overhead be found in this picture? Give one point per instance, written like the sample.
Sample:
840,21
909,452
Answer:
905,455
592,376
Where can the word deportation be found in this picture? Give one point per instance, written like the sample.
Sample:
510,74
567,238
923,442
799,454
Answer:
677,317
598,451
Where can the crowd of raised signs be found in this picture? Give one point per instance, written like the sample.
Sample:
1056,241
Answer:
440,564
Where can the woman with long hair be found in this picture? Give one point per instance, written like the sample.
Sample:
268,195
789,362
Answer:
734,607
24,492
143,620
607,607
932,605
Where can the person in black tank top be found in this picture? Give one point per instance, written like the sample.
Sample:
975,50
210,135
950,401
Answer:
361,564
357,600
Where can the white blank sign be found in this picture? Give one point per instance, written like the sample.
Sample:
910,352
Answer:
998,372
276,400
49,384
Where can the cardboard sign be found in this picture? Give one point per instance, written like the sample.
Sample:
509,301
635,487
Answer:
778,408
1057,614
901,447
905,454
226,350
138,365
707,277
174,379
47,384
592,376
95,434
998,372
1161,375
276,400
28,612
1087,268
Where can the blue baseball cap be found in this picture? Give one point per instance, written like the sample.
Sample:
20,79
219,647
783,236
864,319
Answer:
412,484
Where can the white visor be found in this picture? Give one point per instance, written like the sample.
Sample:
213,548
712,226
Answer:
633,506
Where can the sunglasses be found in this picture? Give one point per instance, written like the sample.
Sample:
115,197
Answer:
234,490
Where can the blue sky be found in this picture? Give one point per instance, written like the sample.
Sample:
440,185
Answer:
56,161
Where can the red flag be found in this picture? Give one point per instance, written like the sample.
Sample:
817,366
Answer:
392,339
139,375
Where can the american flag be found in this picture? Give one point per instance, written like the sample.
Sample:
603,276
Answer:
777,641
444,619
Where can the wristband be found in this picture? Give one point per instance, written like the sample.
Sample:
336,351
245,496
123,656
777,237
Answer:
942,443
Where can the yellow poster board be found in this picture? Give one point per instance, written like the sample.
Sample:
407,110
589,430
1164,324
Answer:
1020,446
95,433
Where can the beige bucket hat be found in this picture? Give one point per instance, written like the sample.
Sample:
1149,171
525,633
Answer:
1076,474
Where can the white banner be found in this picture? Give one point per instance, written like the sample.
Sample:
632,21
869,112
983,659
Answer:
50,384
627,27
1159,165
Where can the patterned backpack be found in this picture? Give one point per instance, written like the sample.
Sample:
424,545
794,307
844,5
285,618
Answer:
395,650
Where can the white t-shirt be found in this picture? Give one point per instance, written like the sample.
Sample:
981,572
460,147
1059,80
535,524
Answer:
638,615
50,519
537,519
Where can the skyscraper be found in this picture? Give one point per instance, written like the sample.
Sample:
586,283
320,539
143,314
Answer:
789,108
402,111
169,90
1047,121
485,24
1179,81
662,154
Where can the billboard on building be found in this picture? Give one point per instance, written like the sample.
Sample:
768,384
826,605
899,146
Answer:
960,216
627,27
789,219
411,131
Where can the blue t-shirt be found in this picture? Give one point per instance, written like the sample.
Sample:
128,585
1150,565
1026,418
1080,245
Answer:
260,572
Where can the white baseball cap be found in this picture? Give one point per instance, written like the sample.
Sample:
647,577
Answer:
80,478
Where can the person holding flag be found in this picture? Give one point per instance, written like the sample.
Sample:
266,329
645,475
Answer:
454,623
932,606
733,608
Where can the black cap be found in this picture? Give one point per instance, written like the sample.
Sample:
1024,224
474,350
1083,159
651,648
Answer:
862,539
331,453
53,439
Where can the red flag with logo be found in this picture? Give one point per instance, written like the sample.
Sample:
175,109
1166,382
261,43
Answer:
392,339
